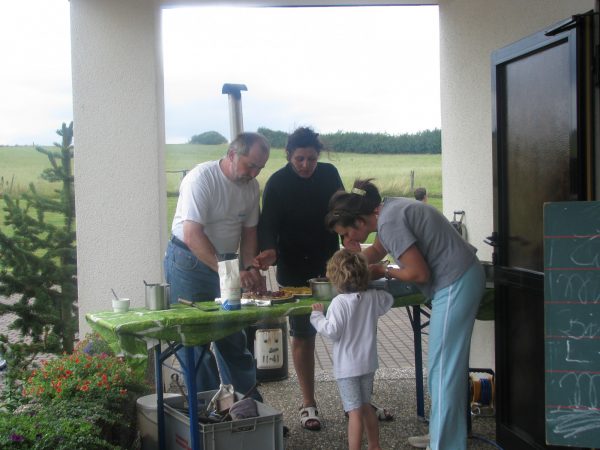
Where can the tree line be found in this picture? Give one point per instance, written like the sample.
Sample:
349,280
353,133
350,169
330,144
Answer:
422,142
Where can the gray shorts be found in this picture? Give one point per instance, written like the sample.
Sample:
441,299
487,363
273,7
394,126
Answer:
356,391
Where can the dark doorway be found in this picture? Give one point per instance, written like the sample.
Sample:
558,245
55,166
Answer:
542,152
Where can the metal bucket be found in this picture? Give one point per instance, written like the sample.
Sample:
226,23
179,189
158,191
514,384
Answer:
322,288
157,296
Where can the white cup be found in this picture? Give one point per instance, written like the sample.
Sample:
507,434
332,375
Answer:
120,304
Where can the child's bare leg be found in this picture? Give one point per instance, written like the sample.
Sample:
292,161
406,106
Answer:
371,425
355,428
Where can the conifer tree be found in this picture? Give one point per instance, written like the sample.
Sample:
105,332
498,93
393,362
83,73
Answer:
38,261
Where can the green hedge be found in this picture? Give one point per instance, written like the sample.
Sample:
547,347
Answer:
208,138
422,142
277,139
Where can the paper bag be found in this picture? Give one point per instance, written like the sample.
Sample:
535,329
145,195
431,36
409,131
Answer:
229,281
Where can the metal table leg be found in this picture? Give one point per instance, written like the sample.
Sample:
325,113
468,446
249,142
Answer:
160,406
417,326
192,391
188,366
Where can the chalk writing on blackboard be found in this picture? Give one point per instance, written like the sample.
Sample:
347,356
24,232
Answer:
572,322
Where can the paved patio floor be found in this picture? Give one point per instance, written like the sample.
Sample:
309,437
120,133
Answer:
394,389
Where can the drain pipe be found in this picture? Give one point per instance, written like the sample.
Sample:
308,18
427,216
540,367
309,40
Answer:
236,123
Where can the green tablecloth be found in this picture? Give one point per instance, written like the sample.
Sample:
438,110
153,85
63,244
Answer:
133,332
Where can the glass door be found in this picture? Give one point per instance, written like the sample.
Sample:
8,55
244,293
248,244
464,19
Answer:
540,101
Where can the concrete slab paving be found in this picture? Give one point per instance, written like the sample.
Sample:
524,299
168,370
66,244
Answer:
394,389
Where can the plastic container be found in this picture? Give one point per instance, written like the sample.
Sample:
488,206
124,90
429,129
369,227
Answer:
264,432
268,343
147,420
394,286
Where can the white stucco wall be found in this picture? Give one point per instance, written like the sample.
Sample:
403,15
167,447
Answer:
470,30
119,130
119,135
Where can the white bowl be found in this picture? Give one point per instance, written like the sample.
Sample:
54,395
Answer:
120,304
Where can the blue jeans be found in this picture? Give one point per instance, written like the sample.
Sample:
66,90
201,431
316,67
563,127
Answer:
190,279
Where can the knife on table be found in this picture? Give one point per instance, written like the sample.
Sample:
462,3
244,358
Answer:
198,305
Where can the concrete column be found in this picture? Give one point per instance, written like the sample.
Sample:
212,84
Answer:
119,149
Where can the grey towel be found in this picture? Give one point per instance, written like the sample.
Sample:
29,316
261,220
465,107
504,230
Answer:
244,409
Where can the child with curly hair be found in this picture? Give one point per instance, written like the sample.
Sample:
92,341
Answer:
351,324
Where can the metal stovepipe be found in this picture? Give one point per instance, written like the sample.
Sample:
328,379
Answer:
236,122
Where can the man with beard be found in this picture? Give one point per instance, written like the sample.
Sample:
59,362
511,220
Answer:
217,213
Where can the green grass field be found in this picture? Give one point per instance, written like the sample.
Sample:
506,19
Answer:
391,172
21,165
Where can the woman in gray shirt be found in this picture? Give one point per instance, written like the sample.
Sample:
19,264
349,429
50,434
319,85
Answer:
430,253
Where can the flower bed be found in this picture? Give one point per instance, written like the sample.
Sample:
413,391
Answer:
81,400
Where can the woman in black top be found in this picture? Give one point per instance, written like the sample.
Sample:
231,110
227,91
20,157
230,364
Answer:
292,234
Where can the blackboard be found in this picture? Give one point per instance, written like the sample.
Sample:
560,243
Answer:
572,323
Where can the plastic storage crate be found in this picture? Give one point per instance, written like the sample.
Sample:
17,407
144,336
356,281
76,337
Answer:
394,286
264,432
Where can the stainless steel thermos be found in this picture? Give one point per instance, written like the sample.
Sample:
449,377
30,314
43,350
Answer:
157,296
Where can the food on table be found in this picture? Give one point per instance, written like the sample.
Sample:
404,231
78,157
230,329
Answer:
266,295
270,297
298,291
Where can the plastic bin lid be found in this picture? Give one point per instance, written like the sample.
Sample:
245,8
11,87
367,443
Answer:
148,402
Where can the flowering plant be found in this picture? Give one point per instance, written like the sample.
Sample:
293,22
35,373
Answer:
81,400
102,377
93,344
88,386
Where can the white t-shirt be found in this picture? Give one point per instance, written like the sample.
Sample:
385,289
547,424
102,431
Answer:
351,323
223,207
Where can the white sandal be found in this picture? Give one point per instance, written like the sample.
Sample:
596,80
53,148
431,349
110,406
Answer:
419,441
310,413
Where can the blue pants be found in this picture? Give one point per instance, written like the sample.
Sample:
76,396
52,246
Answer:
452,318
190,279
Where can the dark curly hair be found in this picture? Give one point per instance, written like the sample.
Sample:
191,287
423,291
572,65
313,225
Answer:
303,137
346,207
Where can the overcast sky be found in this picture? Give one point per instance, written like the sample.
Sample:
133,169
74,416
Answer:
371,69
